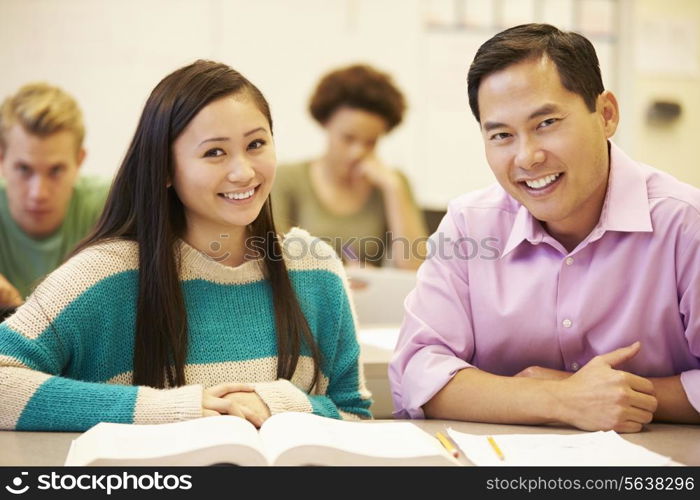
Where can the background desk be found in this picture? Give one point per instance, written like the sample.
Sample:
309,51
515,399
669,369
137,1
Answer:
680,442
375,357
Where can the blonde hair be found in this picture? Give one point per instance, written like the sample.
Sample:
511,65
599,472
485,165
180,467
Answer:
42,110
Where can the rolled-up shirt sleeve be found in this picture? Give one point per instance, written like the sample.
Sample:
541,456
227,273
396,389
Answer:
688,278
436,339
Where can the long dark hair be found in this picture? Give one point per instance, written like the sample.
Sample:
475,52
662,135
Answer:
141,208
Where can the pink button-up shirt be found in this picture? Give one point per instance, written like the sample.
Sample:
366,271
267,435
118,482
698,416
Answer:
499,293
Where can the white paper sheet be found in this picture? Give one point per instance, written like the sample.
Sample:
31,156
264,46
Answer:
582,449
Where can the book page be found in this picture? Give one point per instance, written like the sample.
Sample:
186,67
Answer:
129,443
580,449
392,440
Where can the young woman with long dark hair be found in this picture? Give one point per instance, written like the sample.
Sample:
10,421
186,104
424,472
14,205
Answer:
184,301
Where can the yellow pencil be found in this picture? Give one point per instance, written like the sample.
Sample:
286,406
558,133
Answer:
447,444
495,447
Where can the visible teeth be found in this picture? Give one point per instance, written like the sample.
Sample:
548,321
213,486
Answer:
540,183
239,196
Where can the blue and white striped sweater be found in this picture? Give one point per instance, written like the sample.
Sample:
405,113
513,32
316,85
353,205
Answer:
66,355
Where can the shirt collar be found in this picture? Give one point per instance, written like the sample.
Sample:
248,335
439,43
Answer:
626,206
525,227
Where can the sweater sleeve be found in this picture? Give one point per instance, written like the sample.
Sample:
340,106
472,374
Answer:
345,396
323,291
61,347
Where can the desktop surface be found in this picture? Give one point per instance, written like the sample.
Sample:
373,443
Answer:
680,442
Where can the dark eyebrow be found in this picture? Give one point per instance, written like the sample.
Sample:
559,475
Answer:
214,139
492,125
222,139
254,131
541,111
547,109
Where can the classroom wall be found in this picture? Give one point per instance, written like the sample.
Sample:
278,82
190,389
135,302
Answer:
661,74
110,54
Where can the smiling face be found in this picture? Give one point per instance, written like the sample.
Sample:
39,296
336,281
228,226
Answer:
40,173
545,147
224,166
352,135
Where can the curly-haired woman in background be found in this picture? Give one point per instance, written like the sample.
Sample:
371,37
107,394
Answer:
348,196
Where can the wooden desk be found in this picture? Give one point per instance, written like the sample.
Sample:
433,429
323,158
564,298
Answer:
680,442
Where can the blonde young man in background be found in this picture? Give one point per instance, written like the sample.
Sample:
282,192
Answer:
45,207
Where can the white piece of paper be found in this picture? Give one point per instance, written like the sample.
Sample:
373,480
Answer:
581,449
384,338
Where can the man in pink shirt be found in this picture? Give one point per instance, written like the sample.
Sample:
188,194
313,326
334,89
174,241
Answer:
570,291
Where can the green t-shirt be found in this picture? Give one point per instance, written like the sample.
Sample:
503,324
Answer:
24,261
361,236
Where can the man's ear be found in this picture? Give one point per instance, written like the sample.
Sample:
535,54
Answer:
609,111
81,156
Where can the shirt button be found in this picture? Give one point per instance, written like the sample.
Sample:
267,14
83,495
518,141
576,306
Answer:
575,366
567,323
569,261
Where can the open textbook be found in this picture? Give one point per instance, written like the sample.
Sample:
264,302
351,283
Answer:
580,449
284,439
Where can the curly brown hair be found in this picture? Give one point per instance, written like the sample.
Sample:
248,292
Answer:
358,86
